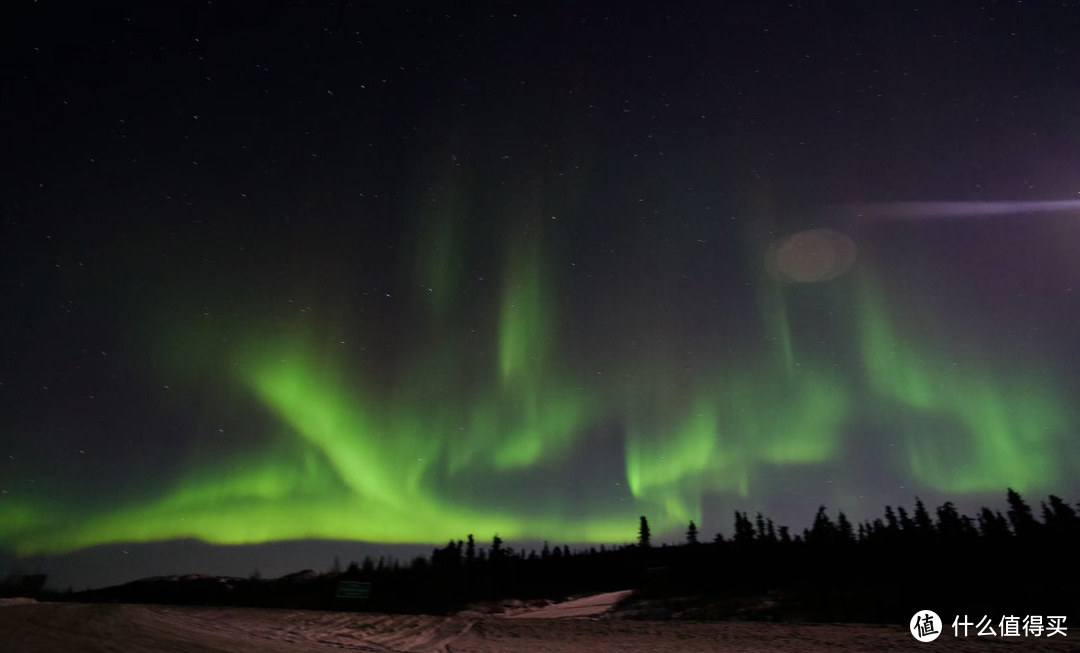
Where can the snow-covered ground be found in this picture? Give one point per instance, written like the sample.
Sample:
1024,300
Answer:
587,606
55,627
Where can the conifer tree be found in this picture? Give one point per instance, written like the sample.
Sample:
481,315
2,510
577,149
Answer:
644,535
906,525
744,529
891,523
992,524
949,523
1023,522
843,527
692,533
1059,516
823,530
922,518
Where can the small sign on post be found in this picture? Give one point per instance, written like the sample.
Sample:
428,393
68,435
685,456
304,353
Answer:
349,589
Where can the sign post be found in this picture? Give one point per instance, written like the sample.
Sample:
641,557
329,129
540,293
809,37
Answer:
349,589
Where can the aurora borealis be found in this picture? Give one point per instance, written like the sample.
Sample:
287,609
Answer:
398,276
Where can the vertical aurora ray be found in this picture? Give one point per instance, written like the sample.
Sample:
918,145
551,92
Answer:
968,424
742,419
546,414
436,266
671,470
523,316
774,313
439,264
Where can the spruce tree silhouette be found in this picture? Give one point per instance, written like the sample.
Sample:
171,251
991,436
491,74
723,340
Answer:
744,529
691,533
823,531
644,535
844,529
877,531
951,526
992,525
907,527
923,525
1059,517
1023,522
891,523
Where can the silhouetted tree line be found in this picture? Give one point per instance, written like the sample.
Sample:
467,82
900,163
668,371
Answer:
881,569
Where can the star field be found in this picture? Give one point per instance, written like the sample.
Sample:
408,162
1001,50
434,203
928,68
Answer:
392,275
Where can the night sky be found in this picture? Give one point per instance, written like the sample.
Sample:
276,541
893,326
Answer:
392,274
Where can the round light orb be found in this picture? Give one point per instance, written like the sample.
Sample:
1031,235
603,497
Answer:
811,256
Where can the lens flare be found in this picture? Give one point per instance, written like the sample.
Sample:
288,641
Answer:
811,256
959,209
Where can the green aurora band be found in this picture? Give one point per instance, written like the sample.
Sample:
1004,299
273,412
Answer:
968,425
441,449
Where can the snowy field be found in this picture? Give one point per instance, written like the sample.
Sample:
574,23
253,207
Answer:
582,625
